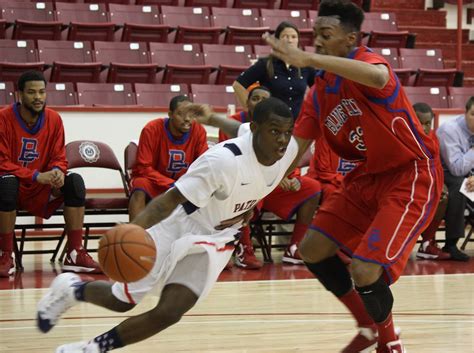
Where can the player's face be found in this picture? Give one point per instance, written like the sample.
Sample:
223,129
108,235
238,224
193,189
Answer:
290,36
425,120
271,138
330,38
470,119
33,96
257,96
180,120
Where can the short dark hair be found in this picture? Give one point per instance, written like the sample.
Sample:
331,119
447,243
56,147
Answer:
29,76
350,15
262,88
176,100
283,25
268,107
423,108
469,103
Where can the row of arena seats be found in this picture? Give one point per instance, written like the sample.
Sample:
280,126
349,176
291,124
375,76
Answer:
127,62
219,96
117,22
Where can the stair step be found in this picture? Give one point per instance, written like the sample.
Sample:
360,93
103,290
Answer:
435,34
377,5
431,18
449,49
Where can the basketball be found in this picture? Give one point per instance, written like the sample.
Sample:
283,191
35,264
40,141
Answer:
126,253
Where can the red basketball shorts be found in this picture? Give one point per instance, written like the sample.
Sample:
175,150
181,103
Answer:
378,217
38,200
285,203
150,188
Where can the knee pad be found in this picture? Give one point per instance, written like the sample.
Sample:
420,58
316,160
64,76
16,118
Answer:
9,186
378,299
333,275
74,190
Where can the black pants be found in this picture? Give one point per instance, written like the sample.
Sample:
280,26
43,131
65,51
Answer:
456,206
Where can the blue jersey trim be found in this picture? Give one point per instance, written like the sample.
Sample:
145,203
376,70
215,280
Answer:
180,141
35,128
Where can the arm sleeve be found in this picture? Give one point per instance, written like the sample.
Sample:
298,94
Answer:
256,72
458,162
307,126
215,171
58,150
144,164
7,166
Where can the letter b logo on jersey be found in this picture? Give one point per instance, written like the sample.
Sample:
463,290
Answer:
177,161
28,152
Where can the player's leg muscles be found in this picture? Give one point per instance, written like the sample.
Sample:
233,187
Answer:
175,301
137,203
316,247
100,293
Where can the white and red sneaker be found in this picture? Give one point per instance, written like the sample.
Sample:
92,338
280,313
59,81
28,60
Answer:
392,347
245,258
364,342
79,260
292,256
429,250
7,267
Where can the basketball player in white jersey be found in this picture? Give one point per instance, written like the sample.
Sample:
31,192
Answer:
194,226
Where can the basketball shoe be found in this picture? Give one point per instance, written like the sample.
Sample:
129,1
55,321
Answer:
291,255
79,260
57,301
430,250
364,342
392,347
245,257
7,266
79,347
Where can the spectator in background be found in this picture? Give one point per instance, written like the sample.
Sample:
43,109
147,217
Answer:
166,149
33,174
285,82
456,139
296,194
428,248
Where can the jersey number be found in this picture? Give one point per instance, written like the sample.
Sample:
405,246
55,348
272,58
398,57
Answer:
355,136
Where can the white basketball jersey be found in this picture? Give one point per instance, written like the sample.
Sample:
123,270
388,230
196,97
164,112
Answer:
228,180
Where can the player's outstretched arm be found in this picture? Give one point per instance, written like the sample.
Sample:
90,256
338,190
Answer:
204,115
159,208
303,145
358,71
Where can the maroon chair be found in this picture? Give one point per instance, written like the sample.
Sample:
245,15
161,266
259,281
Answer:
256,4
272,18
436,97
158,95
24,29
128,62
245,35
30,11
18,51
61,94
458,96
389,54
105,94
379,22
13,71
396,39
230,60
158,2
216,95
208,3
129,158
7,93
182,63
3,28
224,17
299,4
261,51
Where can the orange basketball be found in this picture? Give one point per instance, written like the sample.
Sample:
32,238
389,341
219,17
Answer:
126,253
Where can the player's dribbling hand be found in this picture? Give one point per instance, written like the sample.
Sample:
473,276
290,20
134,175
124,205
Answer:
285,52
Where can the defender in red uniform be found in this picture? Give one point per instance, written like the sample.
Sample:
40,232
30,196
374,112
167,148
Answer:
358,105
166,149
33,173
296,194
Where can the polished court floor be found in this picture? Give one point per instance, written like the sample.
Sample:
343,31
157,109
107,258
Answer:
277,309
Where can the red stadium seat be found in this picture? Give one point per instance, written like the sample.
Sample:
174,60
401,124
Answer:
245,35
379,22
256,4
208,3
390,54
13,71
187,62
458,96
158,95
61,94
76,72
3,28
216,95
272,18
299,4
18,51
7,93
128,62
230,59
158,2
37,30
436,97
224,17
396,39
30,11
105,94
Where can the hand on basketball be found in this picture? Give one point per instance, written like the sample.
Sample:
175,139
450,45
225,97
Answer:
244,218
290,55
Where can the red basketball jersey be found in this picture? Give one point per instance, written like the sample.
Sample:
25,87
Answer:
163,158
377,127
26,151
242,117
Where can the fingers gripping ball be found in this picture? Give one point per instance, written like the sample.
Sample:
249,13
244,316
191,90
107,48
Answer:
126,253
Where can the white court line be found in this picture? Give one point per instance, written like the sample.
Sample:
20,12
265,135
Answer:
245,322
